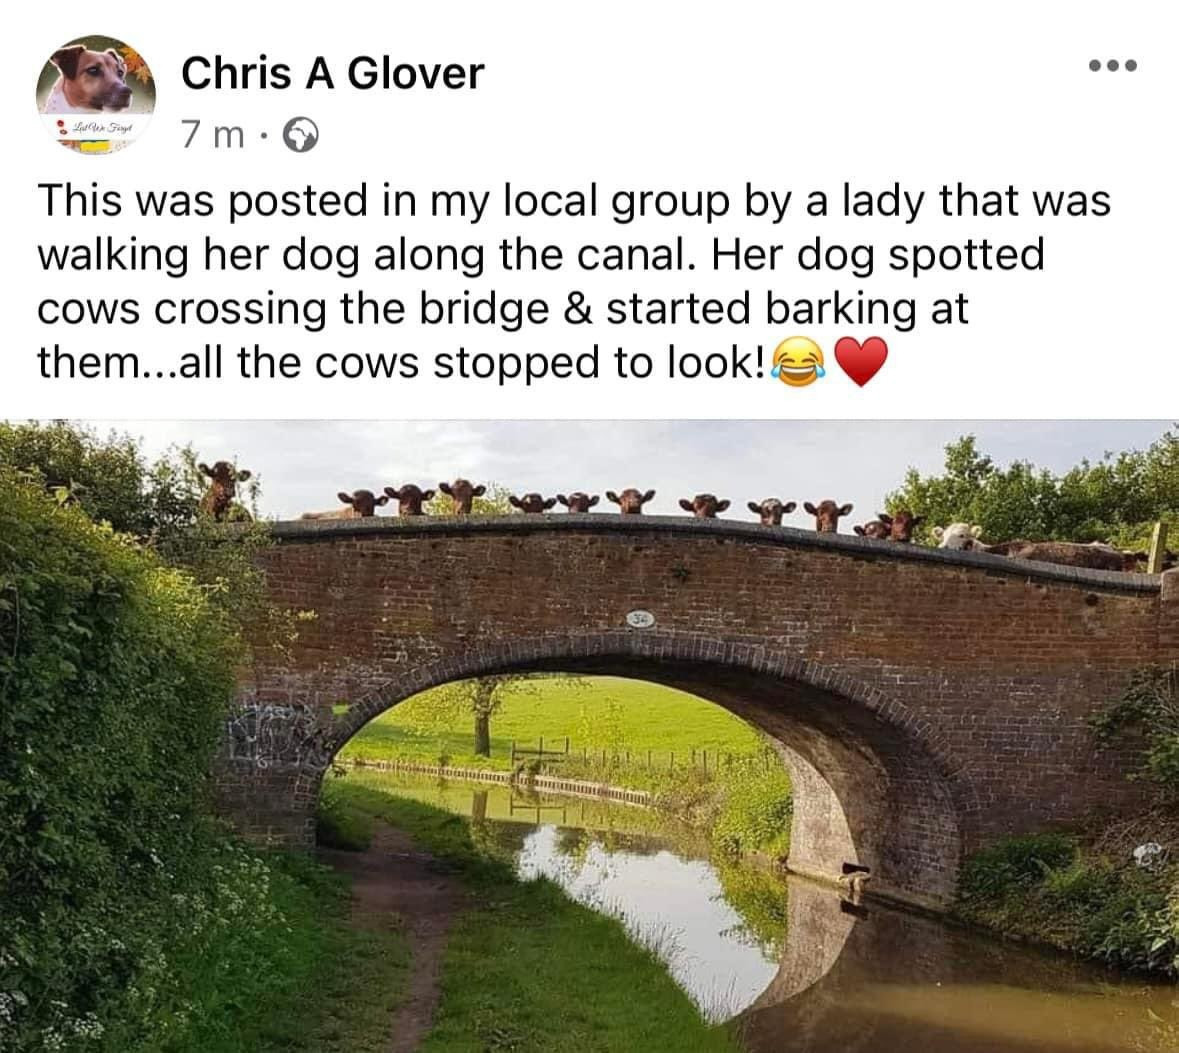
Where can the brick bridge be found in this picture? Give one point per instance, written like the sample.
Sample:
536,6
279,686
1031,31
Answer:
924,700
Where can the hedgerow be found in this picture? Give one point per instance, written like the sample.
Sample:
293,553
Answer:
114,676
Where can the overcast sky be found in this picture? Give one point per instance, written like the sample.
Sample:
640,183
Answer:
303,463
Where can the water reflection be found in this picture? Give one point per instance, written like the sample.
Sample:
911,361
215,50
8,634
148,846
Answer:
798,968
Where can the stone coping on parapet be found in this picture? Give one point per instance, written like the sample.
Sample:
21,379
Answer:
689,526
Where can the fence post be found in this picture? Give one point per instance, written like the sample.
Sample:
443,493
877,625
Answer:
706,762
1158,549
648,760
672,767
513,753
566,745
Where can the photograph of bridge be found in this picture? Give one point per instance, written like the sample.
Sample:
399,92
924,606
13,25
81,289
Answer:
781,723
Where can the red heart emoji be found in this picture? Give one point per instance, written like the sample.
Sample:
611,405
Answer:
859,361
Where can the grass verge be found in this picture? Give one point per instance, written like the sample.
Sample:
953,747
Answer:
1079,896
314,984
530,970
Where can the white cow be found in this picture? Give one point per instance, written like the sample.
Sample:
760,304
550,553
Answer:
958,536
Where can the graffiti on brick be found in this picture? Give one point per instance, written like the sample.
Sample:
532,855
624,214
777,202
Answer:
278,736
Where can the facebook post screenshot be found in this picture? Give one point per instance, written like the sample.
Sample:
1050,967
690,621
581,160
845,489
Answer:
590,528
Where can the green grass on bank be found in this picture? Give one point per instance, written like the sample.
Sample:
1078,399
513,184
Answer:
1077,895
314,985
529,970
596,713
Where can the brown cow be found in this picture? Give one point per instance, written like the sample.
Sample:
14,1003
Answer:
704,506
875,530
630,502
532,504
771,510
901,526
361,504
1064,553
409,498
578,501
218,499
462,493
827,515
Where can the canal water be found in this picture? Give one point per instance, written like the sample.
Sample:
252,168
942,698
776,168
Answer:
795,965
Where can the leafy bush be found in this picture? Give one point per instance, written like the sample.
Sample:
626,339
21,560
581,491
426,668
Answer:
1149,708
115,672
755,813
1050,888
1015,864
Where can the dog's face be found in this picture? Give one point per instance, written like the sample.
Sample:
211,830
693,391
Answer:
93,80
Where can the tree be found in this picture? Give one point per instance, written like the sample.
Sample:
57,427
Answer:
105,475
159,504
1118,499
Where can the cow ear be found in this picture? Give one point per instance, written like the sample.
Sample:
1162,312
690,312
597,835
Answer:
514,501
884,518
860,530
648,496
550,502
592,501
755,508
612,496
445,488
976,531
479,490
428,495
811,508
845,510
346,498
789,506
66,59
938,532
722,505
685,504
382,500
205,469
395,494
243,475
563,499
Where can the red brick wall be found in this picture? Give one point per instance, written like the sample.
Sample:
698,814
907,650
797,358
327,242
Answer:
943,697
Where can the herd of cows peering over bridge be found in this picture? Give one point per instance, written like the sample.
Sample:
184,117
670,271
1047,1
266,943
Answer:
219,504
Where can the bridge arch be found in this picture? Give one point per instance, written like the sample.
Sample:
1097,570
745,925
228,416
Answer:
875,785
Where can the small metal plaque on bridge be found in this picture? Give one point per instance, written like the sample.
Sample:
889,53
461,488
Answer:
640,619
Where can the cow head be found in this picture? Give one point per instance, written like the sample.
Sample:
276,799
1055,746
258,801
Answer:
224,475
901,526
363,502
630,502
409,498
771,510
578,501
875,530
961,536
827,515
532,504
703,506
462,493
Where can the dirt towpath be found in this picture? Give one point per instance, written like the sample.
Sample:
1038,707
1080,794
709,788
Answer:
394,882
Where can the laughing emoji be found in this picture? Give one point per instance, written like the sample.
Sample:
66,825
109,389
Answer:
798,361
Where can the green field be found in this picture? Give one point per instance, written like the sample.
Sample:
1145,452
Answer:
596,713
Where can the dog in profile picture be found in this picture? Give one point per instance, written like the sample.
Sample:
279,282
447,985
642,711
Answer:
90,81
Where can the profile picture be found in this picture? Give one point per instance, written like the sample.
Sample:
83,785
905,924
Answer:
95,94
